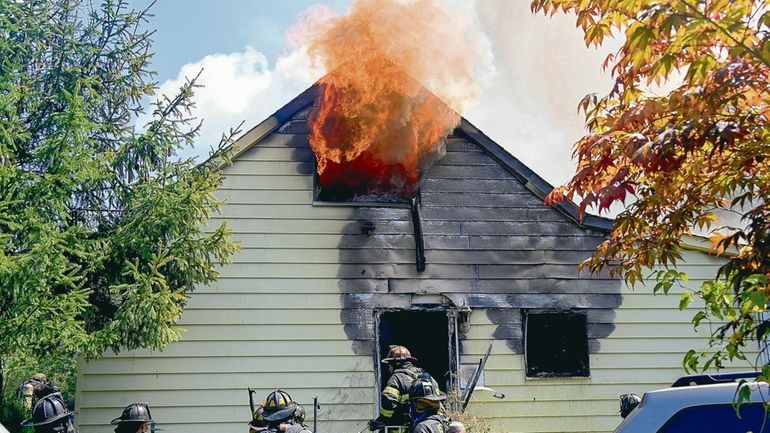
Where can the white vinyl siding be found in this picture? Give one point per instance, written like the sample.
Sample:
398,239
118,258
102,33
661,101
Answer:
275,317
272,320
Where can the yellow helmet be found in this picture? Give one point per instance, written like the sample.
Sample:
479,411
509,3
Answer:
278,406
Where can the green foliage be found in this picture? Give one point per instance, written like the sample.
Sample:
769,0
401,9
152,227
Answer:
60,369
12,414
700,147
101,224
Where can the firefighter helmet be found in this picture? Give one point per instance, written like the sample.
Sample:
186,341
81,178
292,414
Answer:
300,414
398,354
134,412
627,403
278,406
425,387
257,418
43,389
47,410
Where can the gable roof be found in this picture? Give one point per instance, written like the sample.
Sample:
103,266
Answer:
531,180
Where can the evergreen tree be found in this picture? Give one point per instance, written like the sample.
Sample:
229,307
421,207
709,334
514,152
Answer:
101,223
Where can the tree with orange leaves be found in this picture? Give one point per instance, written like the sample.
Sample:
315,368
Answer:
682,155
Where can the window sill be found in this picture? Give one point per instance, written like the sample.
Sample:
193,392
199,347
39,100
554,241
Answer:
397,205
581,379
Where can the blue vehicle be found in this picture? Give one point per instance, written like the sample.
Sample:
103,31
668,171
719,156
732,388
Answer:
702,404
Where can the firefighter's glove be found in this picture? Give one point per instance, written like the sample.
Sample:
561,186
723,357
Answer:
375,425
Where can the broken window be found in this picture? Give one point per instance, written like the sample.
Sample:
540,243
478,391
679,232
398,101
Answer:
465,375
373,138
556,344
363,181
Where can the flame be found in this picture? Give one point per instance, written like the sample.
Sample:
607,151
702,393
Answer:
376,138
400,73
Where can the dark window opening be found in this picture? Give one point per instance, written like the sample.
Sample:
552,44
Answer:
365,181
427,335
556,344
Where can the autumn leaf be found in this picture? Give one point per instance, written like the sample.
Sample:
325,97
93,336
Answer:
686,154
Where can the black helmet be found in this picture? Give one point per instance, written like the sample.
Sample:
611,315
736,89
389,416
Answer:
627,403
299,414
278,406
43,389
47,410
134,412
425,387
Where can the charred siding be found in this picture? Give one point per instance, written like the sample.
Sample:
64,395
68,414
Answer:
488,240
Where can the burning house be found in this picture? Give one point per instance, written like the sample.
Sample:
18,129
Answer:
328,277
370,214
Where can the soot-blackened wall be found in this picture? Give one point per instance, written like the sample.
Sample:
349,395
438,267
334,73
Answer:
489,241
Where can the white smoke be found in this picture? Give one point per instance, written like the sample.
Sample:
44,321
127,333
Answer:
544,70
534,70
240,86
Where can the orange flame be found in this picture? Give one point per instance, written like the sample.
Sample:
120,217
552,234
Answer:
379,121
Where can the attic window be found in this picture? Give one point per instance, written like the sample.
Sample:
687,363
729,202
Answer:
556,344
364,181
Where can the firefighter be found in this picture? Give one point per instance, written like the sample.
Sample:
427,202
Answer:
25,394
282,414
50,415
135,418
426,409
394,400
35,388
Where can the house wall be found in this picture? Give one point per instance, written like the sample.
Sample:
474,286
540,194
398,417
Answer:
644,352
295,310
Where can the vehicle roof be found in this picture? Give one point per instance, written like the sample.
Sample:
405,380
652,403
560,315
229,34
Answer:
659,406
714,393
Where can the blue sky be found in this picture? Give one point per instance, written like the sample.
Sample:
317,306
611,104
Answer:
187,30
529,106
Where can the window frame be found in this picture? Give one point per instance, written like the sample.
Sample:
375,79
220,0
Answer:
453,347
529,371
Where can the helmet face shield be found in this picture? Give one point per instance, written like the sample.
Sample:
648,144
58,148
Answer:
421,405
